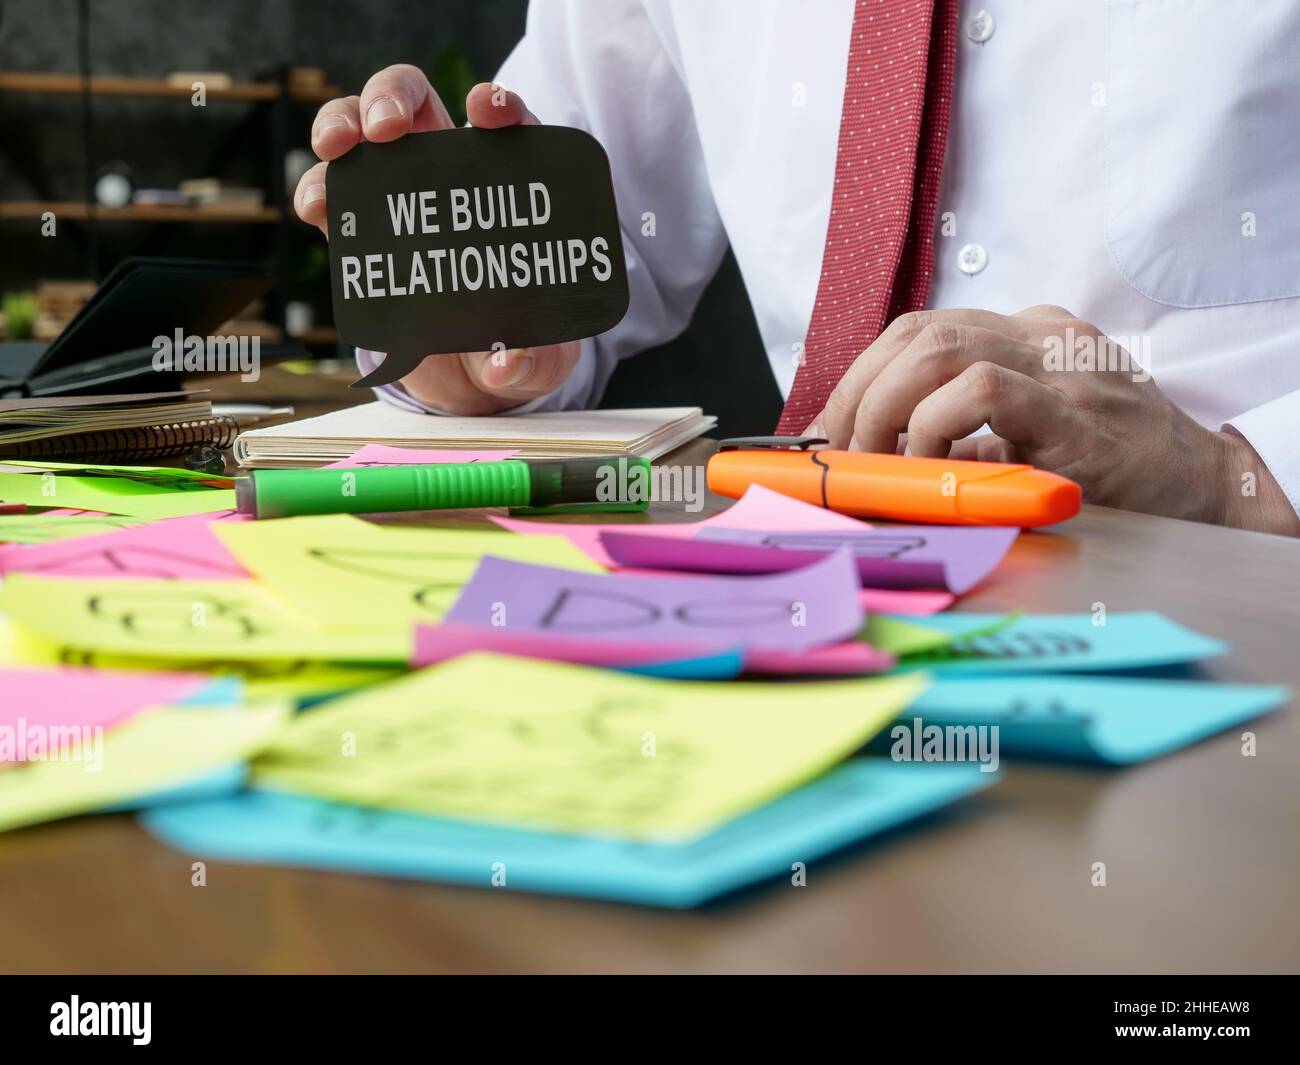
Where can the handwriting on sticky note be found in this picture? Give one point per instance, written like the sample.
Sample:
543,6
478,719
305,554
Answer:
896,556
176,548
1044,642
354,575
183,619
758,508
790,611
1112,720
587,751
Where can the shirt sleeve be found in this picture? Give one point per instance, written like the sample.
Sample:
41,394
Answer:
607,69
1273,430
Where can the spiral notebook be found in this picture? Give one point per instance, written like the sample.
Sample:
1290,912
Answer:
144,425
330,437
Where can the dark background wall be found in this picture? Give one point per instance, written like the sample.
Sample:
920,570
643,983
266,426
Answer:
717,364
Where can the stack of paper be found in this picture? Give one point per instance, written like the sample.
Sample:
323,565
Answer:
650,432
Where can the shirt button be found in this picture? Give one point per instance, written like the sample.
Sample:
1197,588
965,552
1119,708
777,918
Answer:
980,26
972,258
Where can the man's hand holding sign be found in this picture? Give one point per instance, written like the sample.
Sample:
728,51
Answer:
490,243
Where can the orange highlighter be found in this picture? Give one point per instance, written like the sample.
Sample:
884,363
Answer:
895,487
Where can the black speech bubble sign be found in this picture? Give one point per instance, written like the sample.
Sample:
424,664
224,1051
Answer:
553,272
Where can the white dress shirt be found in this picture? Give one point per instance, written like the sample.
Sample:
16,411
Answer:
1137,162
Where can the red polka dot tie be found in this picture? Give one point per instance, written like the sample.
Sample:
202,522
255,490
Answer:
879,256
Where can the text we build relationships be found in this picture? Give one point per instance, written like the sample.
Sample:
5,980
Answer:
519,264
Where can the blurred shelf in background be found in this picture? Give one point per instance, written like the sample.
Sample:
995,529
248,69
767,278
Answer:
76,209
73,84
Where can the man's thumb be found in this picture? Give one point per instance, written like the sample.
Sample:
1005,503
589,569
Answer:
490,106
520,373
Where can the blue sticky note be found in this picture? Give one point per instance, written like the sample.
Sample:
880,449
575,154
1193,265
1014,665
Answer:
1062,643
1108,720
725,665
858,799
222,692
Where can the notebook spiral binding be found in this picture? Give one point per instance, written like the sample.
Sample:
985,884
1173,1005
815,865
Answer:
136,442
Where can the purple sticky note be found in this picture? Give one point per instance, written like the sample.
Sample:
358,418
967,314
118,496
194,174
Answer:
702,553
937,557
804,608
438,643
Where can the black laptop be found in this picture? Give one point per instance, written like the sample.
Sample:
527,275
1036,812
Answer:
108,346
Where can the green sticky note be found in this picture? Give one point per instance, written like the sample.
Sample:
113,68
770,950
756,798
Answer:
904,636
153,474
114,495
40,529
899,638
574,749
352,575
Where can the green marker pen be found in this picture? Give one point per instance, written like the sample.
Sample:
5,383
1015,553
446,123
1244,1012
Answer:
603,484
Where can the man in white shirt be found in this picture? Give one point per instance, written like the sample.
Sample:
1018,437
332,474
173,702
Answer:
1135,162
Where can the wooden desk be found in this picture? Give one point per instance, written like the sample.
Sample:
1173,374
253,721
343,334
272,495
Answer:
1201,848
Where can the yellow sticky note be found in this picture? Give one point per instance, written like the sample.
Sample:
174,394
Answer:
572,749
353,575
291,678
115,495
190,620
148,753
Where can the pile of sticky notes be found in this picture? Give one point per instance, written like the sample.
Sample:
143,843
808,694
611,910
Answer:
653,713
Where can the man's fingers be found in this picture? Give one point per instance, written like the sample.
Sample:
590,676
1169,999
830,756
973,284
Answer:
337,128
521,374
984,448
836,421
489,106
309,197
939,353
1017,408
400,100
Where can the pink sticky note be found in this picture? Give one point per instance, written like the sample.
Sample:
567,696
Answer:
437,643
175,548
851,658
383,455
758,509
44,699
792,611
893,601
